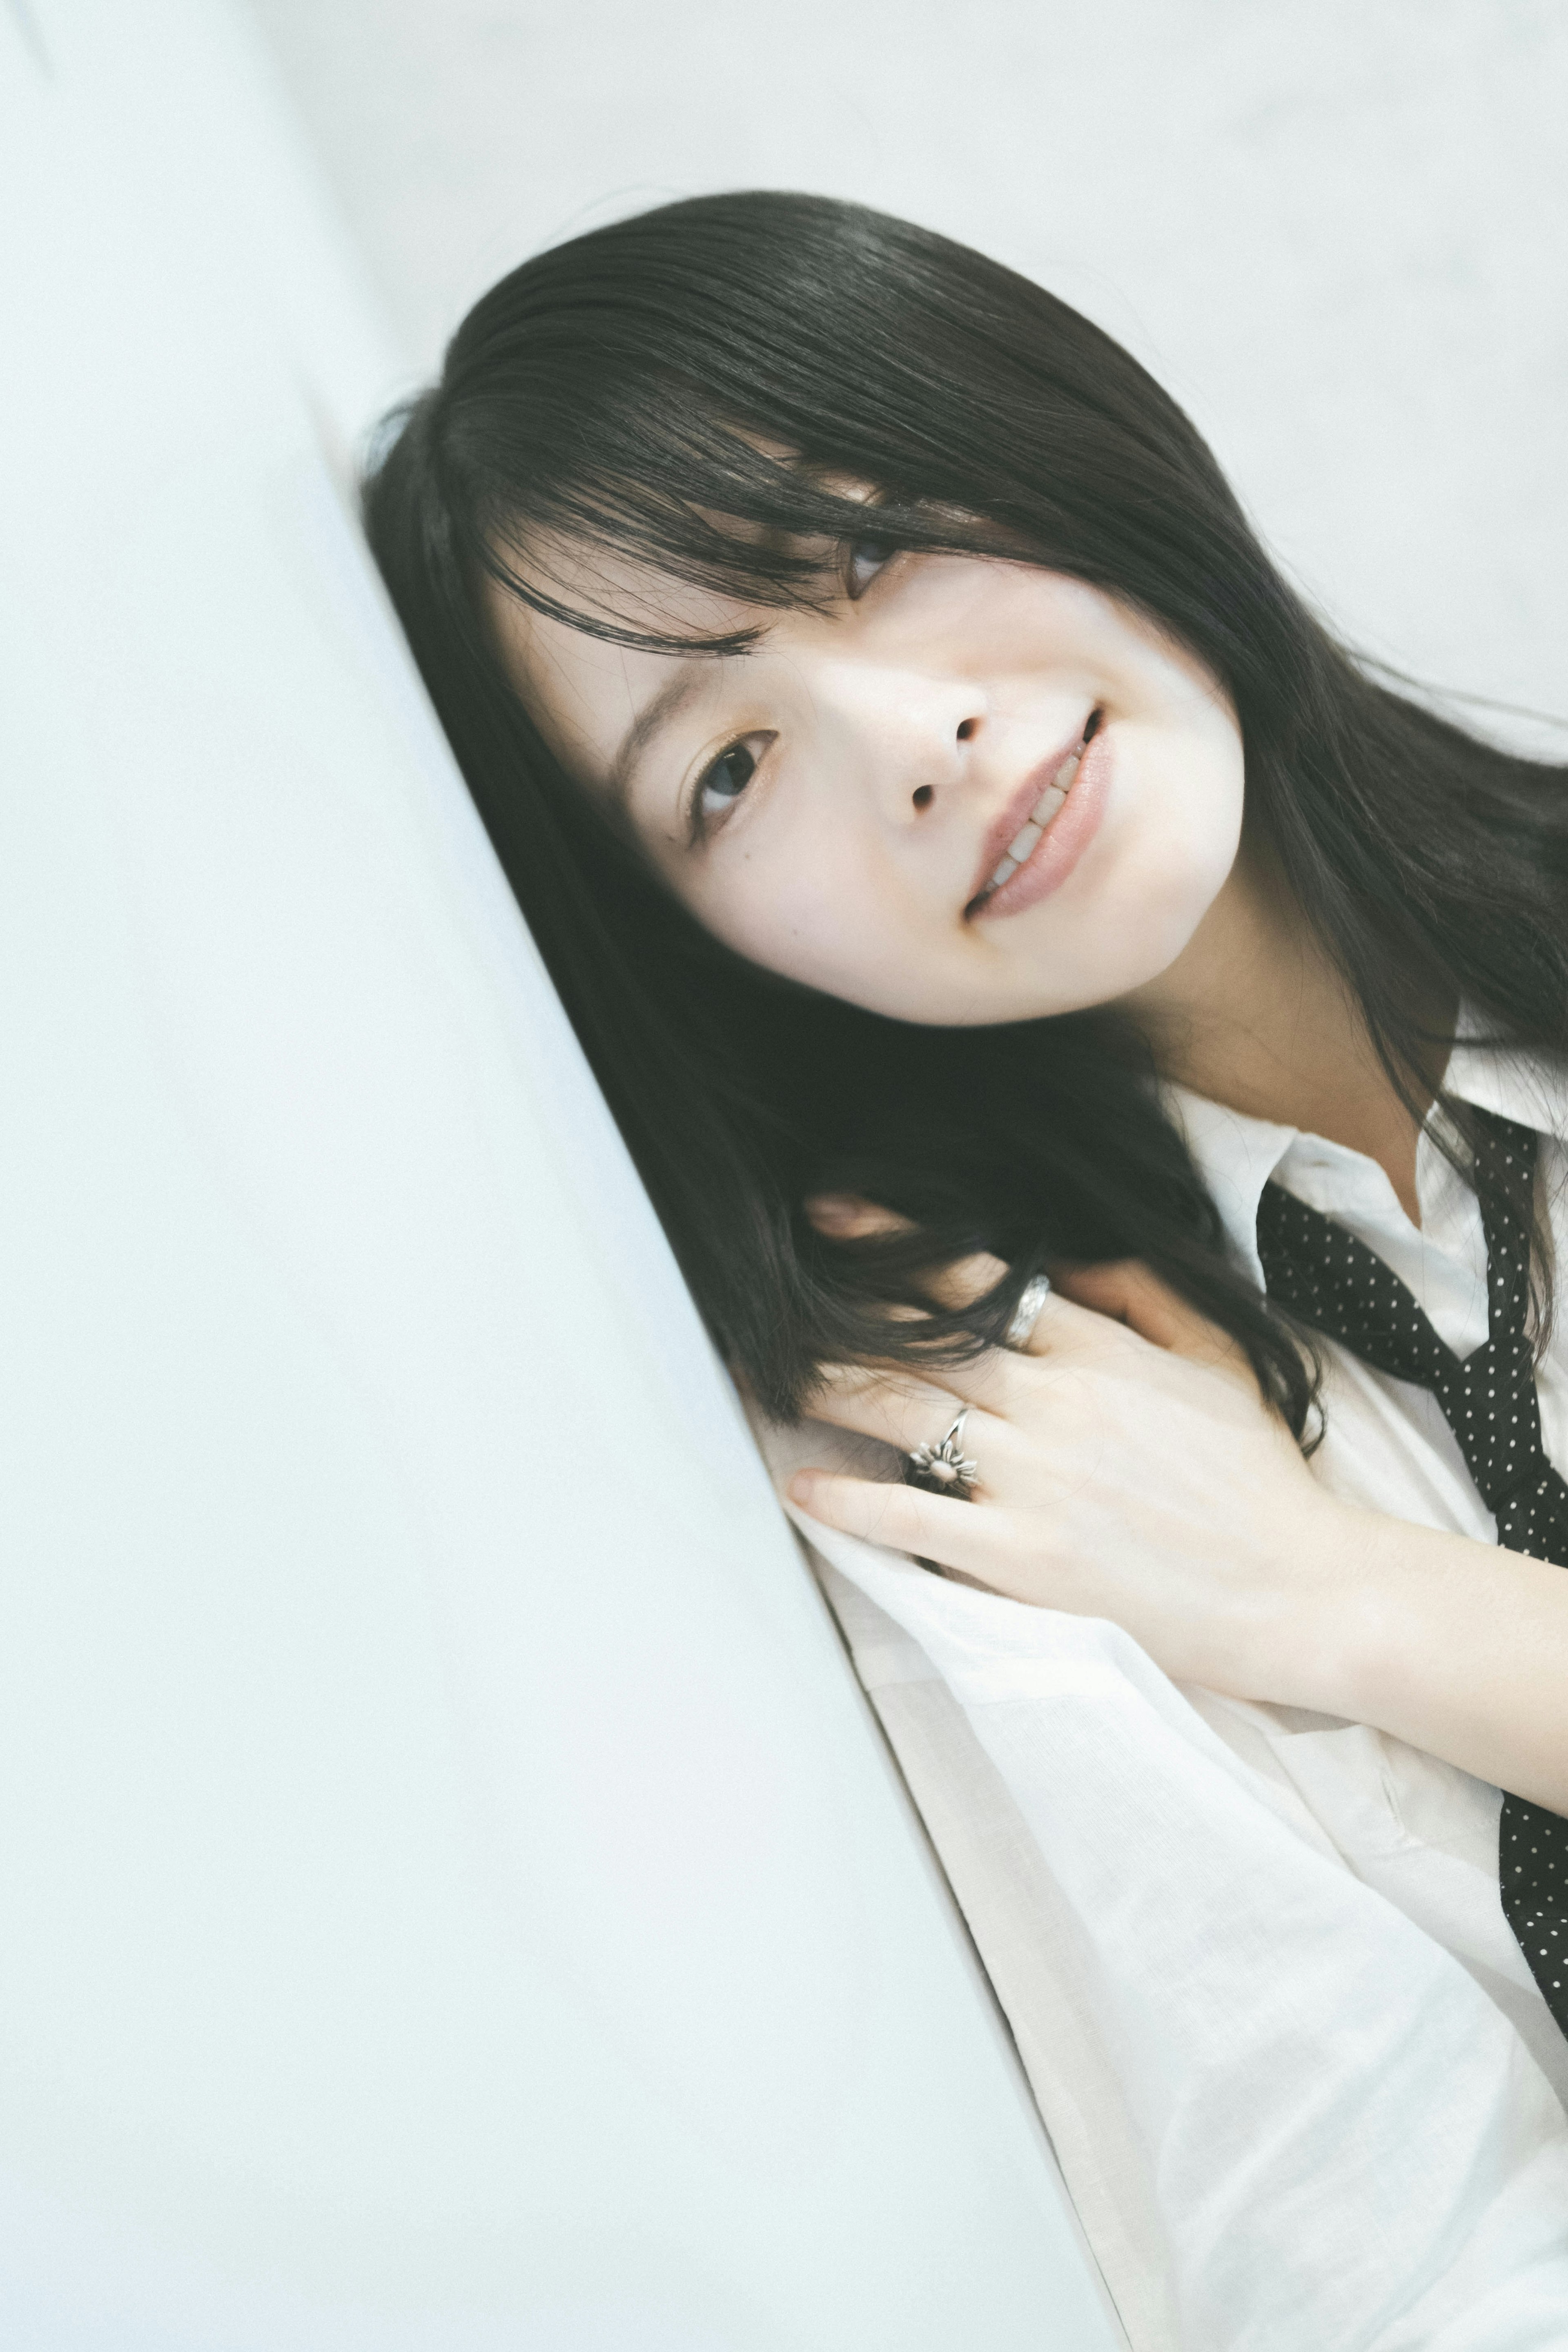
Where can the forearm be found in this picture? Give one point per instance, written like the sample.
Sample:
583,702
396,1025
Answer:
1454,1645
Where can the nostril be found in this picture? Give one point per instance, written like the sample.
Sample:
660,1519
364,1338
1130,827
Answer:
923,796
967,728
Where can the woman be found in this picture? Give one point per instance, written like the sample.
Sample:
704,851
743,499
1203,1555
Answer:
962,856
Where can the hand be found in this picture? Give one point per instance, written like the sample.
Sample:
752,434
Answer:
1129,1468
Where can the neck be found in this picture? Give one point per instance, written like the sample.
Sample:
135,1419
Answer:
1254,1014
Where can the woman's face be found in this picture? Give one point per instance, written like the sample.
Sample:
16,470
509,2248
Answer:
969,791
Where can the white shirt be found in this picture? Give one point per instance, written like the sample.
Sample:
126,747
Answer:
1387,1443
1255,1958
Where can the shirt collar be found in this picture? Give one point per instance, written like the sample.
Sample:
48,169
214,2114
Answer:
1236,1154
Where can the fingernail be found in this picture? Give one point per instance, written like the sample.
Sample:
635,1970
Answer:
802,1487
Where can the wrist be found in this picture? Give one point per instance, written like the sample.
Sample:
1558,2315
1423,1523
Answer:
1342,1602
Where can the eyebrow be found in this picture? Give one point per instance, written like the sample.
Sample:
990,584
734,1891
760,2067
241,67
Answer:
654,715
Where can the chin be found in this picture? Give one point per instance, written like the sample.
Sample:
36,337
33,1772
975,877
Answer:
1127,951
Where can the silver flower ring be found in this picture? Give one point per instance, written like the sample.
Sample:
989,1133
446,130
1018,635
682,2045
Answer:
944,1468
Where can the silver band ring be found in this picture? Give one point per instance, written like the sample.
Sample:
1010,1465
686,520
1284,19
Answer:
944,1468
1026,1313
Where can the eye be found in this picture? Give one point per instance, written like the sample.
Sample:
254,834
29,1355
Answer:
726,778
864,559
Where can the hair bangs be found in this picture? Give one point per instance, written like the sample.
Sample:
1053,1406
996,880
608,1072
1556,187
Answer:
591,528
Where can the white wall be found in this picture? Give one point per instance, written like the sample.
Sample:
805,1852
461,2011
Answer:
1336,229
453,1899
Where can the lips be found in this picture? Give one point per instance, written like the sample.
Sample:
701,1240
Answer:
1037,802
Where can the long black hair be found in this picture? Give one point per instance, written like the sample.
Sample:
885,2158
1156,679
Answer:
684,387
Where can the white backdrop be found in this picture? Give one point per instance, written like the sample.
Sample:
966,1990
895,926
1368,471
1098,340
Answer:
453,1898
451,1902
1336,229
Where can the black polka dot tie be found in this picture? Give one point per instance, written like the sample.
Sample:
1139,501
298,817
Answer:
1323,1275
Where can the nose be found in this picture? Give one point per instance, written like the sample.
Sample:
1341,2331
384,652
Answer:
924,795
909,736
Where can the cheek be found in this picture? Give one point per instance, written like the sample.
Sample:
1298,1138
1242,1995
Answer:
821,919
1200,816
1168,855
1191,819
1168,843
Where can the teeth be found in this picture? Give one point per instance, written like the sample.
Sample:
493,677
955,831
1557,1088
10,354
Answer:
1044,808
1024,840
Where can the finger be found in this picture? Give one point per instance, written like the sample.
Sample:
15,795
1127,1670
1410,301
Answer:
1127,1292
848,1217
904,1411
959,1285
905,1518
1062,1328
966,1280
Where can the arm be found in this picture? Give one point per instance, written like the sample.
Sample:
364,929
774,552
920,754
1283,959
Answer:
1455,1645
1129,1470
